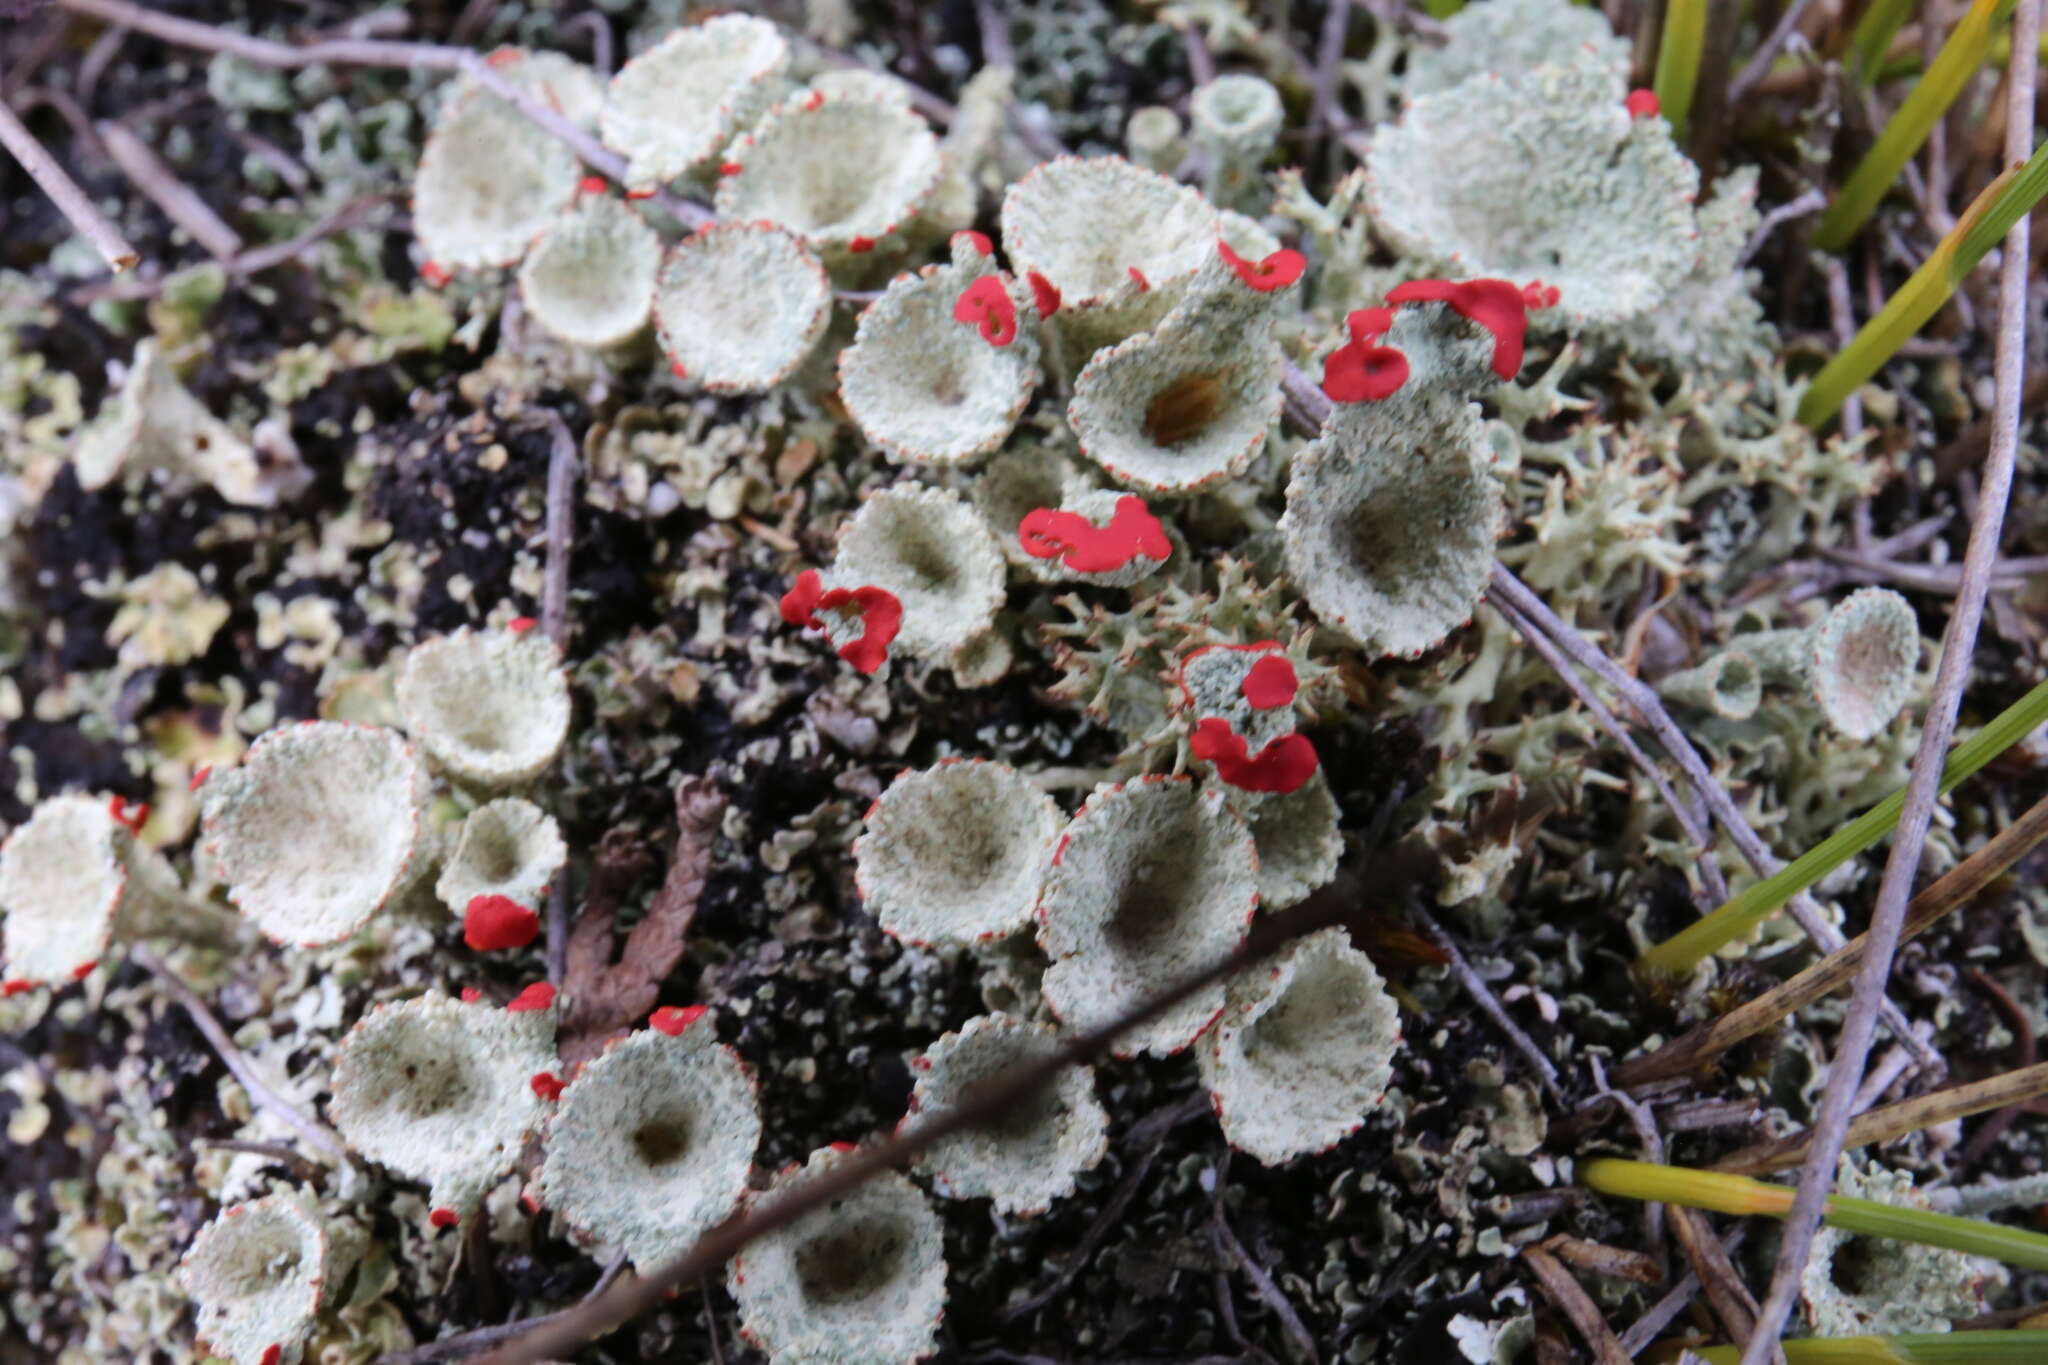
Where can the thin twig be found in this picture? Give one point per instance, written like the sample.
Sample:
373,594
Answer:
2026,1053
554,622
1263,1286
2003,574
252,262
1896,1120
1958,886
236,1062
1712,883
64,193
1767,52
484,1338
1482,996
1305,407
1888,915
1322,110
1647,1133
1813,201
1155,1128
1517,594
377,52
160,184
1726,1294
1651,1325
1570,1299
765,1216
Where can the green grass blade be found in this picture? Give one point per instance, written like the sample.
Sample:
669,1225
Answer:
2013,1246
1678,59
1442,9
1740,1195
1959,59
1990,216
1873,38
1743,912
1918,1348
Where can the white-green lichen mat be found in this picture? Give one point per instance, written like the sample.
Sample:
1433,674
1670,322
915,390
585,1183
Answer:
317,828
1152,882
861,1281
650,1145
441,1091
491,707
954,854
1035,1149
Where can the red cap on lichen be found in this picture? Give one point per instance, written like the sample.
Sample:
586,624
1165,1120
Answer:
979,240
433,274
1642,104
592,184
859,245
727,168
1281,767
444,1218
1044,293
519,625
1275,271
492,922
15,987
538,996
881,615
130,815
1270,683
470,995
199,778
672,1020
271,1354
1139,276
1361,370
548,1085
1084,547
986,304
1495,305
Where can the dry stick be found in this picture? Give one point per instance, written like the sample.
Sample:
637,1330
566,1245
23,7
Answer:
1570,1299
251,262
1511,590
1713,884
64,193
718,1246
1647,1133
1482,996
1719,1280
244,1070
1760,64
1897,1120
484,1338
1262,1284
554,622
1322,110
376,52
1651,1325
179,201
1813,201
1958,886
1888,917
